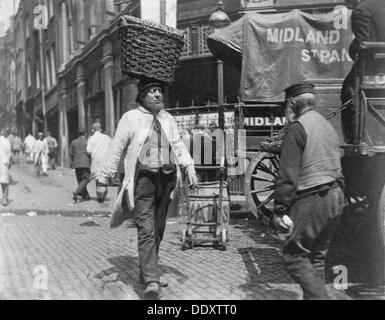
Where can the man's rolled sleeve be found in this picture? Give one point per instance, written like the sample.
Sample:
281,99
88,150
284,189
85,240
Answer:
290,163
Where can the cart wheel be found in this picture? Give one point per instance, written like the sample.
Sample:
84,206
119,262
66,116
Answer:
260,179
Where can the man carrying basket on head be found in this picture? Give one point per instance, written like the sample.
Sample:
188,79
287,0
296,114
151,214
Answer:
155,157
148,135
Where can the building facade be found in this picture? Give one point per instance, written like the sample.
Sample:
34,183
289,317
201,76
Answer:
91,85
69,74
7,81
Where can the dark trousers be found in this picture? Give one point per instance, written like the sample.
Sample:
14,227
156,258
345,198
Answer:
316,218
83,178
52,160
152,197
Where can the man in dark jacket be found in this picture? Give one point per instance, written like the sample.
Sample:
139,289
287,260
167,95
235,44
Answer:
308,190
81,162
368,24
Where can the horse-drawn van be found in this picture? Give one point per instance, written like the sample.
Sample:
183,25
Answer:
273,51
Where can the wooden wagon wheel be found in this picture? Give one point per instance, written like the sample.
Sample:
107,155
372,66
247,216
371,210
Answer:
260,179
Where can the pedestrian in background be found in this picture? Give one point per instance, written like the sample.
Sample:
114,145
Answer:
97,148
81,162
5,164
150,134
29,143
17,146
308,190
52,148
10,136
40,150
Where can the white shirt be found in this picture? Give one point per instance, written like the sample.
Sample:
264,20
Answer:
29,143
5,150
41,146
97,147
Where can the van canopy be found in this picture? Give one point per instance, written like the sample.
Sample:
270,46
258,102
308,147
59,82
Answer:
275,50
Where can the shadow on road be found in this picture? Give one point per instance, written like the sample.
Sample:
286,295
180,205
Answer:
127,270
356,246
267,278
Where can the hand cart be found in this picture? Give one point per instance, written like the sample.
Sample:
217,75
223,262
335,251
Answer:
207,212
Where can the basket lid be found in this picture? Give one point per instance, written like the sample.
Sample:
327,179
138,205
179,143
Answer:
127,21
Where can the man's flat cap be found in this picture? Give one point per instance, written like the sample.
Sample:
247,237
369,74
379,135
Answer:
299,88
146,83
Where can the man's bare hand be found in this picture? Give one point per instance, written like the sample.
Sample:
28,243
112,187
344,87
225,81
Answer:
192,180
283,224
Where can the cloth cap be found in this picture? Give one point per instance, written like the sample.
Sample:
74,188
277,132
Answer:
299,88
82,130
146,83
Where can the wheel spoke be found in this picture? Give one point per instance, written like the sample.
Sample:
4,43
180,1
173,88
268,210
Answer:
256,177
271,188
261,166
269,198
275,163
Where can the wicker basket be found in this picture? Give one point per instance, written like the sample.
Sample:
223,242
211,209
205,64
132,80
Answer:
149,50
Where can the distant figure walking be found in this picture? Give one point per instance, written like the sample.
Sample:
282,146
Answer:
81,162
17,146
41,151
5,164
52,148
29,143
97,148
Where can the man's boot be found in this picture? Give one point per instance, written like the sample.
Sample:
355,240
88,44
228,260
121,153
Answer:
75,197
152,291
163,282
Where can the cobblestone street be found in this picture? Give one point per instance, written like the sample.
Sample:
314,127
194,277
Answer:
84,259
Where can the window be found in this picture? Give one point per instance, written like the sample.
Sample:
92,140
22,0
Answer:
53,65
37,79
196,41
204,32
48,81
71,13
29,81
27,27
110,7
50,8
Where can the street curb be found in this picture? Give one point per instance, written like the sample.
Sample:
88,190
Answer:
96,213
56,212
